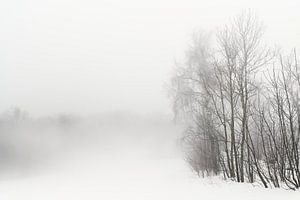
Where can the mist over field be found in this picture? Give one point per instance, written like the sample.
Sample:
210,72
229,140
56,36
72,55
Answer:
101,100
73,157
28,142
113,156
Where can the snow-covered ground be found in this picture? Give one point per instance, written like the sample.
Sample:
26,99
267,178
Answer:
130,164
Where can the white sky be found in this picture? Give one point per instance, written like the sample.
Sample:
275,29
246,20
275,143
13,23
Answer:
101,55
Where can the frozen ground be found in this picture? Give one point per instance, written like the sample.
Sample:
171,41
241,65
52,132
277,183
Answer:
130,164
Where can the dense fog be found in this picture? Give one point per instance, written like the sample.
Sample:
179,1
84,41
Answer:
86,107
85,57
32,144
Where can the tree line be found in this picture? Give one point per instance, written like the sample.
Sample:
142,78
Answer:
240,101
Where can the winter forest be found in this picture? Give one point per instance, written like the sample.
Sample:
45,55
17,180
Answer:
149,100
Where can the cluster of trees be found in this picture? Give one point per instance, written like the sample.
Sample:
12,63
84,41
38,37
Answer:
26,141
240,100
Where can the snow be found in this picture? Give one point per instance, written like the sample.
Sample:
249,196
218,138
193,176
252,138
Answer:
149,167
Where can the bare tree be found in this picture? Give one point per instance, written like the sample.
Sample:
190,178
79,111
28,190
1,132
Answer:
248,128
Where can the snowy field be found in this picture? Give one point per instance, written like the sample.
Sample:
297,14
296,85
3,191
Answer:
128,163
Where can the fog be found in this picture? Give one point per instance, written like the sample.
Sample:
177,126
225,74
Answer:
72,157
84,106
93,56
28,145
